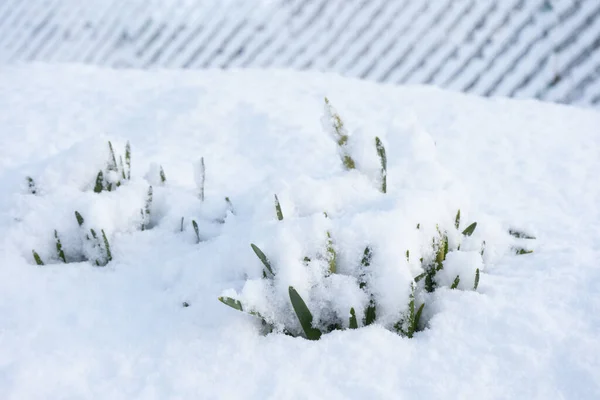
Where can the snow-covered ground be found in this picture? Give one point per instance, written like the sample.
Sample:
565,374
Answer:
76,331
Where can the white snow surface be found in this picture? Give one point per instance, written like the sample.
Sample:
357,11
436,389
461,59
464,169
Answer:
76,331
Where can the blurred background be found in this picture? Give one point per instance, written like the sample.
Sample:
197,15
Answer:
544,49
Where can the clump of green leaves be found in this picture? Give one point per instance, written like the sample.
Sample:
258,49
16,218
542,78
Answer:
120,171
99,246
409,324
333,119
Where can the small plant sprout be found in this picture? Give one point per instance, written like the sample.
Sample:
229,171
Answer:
163,177
476,284
457,220
331,255
122,168
370,312
200,177
383,161
233,303
128,159
407,256
37,258
79,219
334,124
304,315
195,225
353,323
31,185
408,325
521,251
470,229
99,182
455,283
107,252
112,162
263,258
146,212
520,234
278,209
59,250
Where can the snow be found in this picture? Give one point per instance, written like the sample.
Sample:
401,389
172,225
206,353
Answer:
80,331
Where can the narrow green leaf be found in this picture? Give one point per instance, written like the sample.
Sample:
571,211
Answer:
146,215
304,315
415,327
99,182
457,219
93,232
476,279
263,258
143,225
353,323
420,276
370,312
520,234
163,177
383,160
470,229
233,303
523,251
482,248
407,256
455,283
112,164
331,255
278,209
128,159
195,225
37,258
106,247
418,226
59,250
122,168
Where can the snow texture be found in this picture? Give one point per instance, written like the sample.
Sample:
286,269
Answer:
79,331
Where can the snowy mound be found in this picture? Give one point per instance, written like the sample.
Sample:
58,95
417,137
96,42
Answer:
216,147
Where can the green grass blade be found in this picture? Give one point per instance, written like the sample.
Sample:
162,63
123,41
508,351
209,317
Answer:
470,229
128,159
476,279
523,251
455,283
99,182
59,249
304,315
353,323
415,327
112,165
163,177
457,219
79,218
520,234
331,255
37,258
195,225
263,258
233,303
278,209
106,247
383,160
370,313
